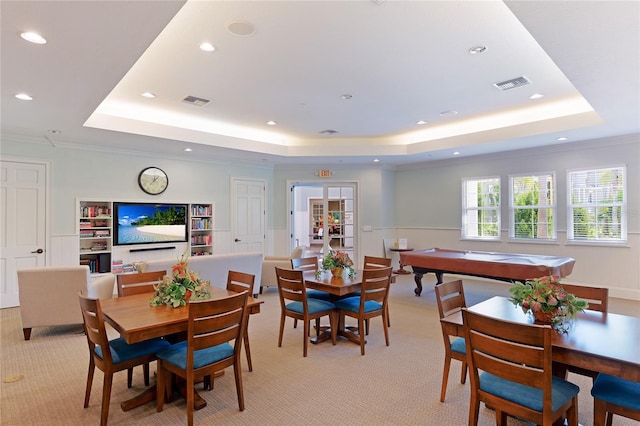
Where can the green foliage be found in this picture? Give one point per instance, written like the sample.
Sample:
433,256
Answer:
171,216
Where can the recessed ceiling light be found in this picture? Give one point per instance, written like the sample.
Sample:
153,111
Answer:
375,160
536,96
346,96
448,113
562,138
271,123
148,95
33,37
240,28
477,49
207,47
421,122
456,153
24,97
188,150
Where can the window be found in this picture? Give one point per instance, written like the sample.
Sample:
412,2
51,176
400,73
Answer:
532,207
481,208
597,205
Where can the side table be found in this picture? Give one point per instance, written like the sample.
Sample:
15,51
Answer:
401,271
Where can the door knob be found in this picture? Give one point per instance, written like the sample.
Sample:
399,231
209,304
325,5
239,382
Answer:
237,240
39,251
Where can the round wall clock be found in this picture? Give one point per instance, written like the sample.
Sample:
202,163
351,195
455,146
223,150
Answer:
153,180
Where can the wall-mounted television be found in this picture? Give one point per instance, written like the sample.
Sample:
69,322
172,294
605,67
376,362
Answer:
149,223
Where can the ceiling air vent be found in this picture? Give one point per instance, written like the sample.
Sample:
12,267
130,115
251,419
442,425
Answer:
193,100
513,83
328,132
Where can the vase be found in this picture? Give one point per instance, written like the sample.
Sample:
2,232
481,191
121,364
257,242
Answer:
337,272
545,317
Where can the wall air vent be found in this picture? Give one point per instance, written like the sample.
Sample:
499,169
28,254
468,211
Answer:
328,132
193,100
513,83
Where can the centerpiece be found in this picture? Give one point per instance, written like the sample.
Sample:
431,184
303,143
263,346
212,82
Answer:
181,286
547,301
337,262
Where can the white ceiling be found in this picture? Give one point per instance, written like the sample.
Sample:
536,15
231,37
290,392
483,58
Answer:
401,61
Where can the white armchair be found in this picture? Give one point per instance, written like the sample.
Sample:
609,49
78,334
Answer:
49,295
269,264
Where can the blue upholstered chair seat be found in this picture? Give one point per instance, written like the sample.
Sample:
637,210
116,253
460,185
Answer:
459,345
314,305
561,391
318,294
177,355
353,304
122,351
617,391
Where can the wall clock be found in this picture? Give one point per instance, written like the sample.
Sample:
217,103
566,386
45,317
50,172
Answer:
153,180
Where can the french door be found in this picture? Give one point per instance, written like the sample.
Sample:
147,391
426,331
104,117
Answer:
323,216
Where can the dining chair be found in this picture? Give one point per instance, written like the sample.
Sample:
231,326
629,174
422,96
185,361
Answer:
450,299
598,299
516,378
214,340
376,262
111,356
309,264
294,303
239,282
130,284
614,395
372,302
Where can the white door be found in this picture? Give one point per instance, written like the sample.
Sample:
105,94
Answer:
248,227
22,227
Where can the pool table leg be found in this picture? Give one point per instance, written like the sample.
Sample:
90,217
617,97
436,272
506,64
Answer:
418,279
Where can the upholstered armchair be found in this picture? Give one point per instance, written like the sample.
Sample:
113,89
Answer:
49,295
269,264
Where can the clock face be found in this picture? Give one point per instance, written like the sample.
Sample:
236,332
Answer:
153,180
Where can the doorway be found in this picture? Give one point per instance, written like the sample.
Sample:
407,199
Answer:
323,217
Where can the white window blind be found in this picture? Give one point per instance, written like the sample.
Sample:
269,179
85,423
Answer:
532,205
597,205
481,208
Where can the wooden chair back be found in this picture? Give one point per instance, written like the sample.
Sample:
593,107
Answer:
371,262
95,330
240,281
291,287
130,284
375,286
518,353
305,263
450,298
597,297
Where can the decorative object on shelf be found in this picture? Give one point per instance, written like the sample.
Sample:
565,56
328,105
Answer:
180,287
153,181
547,301
337,262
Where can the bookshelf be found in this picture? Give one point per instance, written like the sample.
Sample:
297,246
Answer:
95,233
201,229
95,230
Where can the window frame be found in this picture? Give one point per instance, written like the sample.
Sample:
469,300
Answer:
466,210
622,205
553,222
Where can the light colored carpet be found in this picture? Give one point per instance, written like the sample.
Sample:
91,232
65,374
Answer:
395,385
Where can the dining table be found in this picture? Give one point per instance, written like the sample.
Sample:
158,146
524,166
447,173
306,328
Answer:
597,341
136,320
336,286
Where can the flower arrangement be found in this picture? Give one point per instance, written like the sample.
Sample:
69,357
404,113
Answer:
180,287
546,299
338,261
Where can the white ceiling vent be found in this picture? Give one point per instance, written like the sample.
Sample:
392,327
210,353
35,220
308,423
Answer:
193,100
513,83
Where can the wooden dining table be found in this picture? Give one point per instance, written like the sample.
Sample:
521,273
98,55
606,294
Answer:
336,286
136,320
598,341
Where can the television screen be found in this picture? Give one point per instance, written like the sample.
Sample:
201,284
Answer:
149,223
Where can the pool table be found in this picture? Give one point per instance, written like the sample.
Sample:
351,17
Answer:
499,266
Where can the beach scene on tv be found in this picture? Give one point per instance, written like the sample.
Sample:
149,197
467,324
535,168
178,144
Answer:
142,223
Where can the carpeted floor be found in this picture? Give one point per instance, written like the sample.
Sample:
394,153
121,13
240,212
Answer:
334,385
